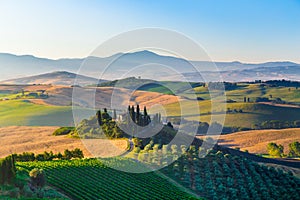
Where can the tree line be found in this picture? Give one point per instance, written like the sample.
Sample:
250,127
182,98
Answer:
48,156
277,150
277,124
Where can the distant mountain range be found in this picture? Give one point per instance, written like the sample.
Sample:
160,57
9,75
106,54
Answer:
146,64
54,78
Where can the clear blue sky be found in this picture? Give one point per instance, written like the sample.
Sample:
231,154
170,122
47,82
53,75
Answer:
243,30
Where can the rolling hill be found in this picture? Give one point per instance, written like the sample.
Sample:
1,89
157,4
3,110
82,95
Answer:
19,139
55,78
256,141
56,109
253,113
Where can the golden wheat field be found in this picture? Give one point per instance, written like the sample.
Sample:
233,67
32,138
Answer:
19,139
256,141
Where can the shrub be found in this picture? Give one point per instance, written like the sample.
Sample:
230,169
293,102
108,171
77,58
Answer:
294,149
63,131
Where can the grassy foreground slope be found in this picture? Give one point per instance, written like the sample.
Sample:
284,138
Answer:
91,179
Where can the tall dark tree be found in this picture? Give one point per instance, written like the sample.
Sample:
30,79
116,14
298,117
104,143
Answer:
155,118
159,118
115,114
7,170
145,117
128,114
99,117
132,113
137,114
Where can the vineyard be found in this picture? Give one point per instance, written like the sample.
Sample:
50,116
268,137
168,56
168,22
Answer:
91,179
219,176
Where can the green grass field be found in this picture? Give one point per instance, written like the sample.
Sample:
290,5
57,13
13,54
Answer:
25,113
241,90
252,91
253,113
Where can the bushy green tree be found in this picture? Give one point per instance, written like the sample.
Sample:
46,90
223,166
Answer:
294,149
77,153
37,178
275,150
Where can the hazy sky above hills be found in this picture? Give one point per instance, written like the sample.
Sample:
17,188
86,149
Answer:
247,30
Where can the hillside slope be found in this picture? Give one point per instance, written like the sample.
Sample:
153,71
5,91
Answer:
256,141
56,109
19,139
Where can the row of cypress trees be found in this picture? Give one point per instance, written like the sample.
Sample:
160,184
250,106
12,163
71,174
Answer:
137,117
135,114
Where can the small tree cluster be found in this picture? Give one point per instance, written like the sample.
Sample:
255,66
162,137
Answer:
277,124
277,150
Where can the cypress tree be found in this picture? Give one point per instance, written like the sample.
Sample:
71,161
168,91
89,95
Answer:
7,170
145,116
115,114
128,116
156,118
99,117
159,118
132,113
138,114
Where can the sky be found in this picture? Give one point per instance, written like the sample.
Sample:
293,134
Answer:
229,30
